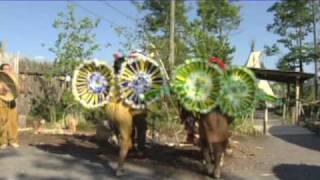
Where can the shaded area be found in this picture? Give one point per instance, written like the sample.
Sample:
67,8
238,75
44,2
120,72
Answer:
82,157
301,137
297,172
160,162
30,177
84,147
7,153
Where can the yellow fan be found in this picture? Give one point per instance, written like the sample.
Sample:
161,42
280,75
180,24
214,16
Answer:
92,83
138,76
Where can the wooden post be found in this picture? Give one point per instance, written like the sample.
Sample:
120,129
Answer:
288,91
297,101
314,22
265,120
252,116
172,23
284,111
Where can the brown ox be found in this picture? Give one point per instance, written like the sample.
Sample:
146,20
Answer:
214,135
126,120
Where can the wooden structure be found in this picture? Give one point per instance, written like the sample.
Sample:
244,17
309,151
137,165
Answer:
12,59
289,78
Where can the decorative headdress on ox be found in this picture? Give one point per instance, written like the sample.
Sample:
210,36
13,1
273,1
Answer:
139,75
197,84
93,82
202,86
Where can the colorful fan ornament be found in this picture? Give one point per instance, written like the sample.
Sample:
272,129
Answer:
197,85
238,92
138,76
92,84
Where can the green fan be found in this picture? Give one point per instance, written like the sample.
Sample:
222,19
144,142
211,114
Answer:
196,84
238,92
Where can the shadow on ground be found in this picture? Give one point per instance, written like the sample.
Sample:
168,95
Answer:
297,172
158,159
7,154
310,140
84,147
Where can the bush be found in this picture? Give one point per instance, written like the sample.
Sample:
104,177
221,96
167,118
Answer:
164,119
244,126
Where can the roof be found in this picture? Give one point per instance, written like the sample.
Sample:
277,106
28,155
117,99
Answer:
281,76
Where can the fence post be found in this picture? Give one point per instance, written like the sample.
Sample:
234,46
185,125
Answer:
265,121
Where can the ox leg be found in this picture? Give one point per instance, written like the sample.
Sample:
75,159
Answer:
218,153
125,145
141,134
205,150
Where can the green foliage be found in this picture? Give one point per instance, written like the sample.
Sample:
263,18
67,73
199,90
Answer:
47,105
245,127
86,126
219,17
292,22
271,50
217,20
76,40
156,28
164,119
204,44
75,43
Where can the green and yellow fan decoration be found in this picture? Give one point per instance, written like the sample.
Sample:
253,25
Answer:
92,83
197,84
238,92
138,76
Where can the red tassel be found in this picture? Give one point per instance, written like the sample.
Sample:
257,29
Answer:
219,62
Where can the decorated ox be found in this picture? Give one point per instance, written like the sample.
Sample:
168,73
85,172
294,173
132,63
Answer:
215,96
214,136
121,95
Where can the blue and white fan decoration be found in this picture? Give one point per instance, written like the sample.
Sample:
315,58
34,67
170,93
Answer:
92,84
139,76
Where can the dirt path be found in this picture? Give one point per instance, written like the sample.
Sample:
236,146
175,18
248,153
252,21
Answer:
47,157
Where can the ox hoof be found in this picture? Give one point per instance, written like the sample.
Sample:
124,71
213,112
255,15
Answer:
120,172
229,151
209,169
222,160
217,174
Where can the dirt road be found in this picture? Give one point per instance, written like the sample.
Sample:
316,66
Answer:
280,156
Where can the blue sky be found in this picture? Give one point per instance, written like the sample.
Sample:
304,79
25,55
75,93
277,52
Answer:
27,25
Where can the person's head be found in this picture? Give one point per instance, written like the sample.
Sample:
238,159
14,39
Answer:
117,55
6,67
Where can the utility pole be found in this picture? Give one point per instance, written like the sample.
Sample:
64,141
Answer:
172,23
314,13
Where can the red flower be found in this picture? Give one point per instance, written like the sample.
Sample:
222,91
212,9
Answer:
219,62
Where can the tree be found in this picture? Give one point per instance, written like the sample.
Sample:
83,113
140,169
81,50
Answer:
156,28
204,45
76,40
292,22
75,43
217,20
